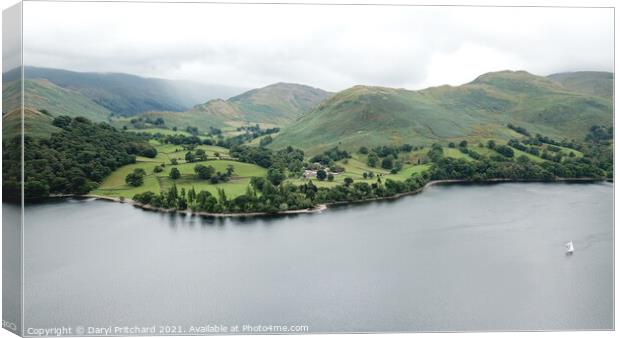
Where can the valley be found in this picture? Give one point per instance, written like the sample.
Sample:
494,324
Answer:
288,146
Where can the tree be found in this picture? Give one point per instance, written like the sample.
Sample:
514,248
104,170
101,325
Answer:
230,169
463,144
37,189
158,169
373,159
62,121
135,178
275,175
505,150
265,141
175,173
363,150
201,155
321,175
174,161
140,171
191,195
451,145
181,203
148,152
436,152
222,196
204,172
406,148
258,183
398,166
330,177
189,157
388,162
491,144
215,179
72,160
145,197
348,181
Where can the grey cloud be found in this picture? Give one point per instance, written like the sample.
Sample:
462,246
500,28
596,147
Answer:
332,47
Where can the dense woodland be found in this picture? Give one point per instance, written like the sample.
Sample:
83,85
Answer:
72,161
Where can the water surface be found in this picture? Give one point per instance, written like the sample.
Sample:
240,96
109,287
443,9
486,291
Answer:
476,257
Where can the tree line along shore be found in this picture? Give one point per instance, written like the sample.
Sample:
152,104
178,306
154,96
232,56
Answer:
240,176
322,207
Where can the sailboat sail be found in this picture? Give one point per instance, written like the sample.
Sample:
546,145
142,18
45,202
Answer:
569,247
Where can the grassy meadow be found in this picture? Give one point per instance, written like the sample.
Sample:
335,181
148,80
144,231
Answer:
414,162
114,185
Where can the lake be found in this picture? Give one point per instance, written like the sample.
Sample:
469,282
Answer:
457,257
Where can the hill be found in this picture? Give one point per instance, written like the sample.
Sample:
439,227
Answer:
125,94
274,105
215,113
41,94
36,124
280,103
594,83
477,111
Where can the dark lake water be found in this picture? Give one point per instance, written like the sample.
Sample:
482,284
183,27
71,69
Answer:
476,257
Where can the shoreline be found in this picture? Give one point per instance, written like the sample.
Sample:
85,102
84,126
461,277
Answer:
319,208
322,207
466,182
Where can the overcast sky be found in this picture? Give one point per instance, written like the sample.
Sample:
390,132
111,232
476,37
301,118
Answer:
331,47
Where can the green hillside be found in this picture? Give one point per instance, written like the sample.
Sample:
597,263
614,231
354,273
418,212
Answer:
476,111
275,105
126,94
42,94
595,83
218,113
280,103
36,124
215,113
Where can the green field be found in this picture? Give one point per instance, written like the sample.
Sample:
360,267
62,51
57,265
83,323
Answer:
227,131
115,186
413,162
160,131
167,152
565,151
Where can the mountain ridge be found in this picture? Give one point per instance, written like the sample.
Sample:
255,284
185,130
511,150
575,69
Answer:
592,82
560,105
126,94
278,104
477,111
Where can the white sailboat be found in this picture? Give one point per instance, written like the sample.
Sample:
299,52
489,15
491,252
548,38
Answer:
570,248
